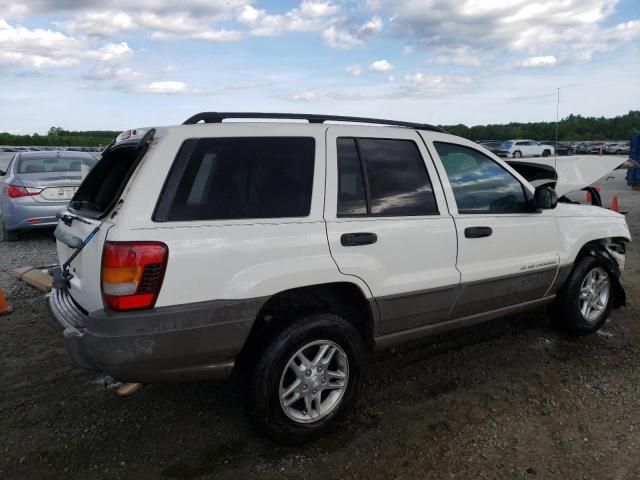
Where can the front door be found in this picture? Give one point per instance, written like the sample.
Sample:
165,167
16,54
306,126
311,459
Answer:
388,224
507,253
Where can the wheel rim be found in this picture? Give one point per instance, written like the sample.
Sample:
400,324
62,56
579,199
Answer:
594,294
314,381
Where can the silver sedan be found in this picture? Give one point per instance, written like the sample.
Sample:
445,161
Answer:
36,186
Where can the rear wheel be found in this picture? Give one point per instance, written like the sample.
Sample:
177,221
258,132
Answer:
7,235
517,154
306,378
585,301
546,153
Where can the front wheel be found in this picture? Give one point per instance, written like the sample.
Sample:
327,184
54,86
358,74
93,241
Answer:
517,154
306,378
586,299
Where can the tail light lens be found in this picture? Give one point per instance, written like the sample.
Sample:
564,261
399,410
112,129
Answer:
16,191
132,274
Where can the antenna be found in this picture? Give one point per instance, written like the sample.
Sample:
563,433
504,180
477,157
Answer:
555,156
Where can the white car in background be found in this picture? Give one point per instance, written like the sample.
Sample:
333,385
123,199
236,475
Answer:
525,148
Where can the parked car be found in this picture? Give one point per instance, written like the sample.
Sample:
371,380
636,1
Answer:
564,148
596,148
35,186
492,146
525,148
281,251
618,148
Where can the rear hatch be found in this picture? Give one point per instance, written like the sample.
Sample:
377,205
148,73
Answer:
95,204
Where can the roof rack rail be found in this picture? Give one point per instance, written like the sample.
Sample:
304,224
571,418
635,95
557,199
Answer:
218,117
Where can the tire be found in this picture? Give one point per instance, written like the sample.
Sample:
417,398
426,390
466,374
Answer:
274,372
569,311
546,153
517,154
7,235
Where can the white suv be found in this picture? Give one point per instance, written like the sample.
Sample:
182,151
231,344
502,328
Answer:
280,251
525,148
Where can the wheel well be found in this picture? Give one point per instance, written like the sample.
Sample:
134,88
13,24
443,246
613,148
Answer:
598,249
341,298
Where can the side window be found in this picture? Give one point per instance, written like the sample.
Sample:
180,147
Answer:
383,177
522,143
351,193
241,177
479,184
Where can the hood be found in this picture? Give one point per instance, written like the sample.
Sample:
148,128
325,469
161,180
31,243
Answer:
573,173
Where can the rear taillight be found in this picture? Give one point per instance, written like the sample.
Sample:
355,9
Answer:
132,274
16,191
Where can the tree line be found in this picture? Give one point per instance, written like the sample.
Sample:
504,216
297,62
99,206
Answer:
573,127
59,137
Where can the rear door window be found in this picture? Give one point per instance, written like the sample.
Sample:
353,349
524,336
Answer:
242,178
383,177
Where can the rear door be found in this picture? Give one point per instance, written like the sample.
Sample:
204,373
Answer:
507,253
388,224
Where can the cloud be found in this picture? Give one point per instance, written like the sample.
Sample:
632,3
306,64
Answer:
412,86
544,61
354,70
380,66
570,30
40,48
421,84
310,15
106,23
120,75
344,37
462,55
166,87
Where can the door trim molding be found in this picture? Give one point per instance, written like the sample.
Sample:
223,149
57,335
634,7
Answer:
389,340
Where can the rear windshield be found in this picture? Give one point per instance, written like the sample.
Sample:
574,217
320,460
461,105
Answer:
103,185
506,145
48,164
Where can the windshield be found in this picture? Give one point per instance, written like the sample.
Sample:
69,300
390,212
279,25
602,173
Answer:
506,145
48,164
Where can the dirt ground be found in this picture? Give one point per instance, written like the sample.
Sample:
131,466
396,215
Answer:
510,399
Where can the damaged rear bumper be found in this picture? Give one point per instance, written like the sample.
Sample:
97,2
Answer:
190,342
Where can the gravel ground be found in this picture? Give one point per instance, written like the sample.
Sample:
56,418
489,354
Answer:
509,399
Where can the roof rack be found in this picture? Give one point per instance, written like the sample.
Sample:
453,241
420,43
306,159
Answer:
218,117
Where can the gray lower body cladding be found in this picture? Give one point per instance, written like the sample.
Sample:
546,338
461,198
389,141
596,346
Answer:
189,342
201,340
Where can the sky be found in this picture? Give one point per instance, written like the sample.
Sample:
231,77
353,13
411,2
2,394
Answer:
119,64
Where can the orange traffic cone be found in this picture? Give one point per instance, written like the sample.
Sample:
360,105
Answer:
590,197
5,307
615,205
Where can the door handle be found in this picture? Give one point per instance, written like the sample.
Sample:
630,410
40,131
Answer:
477,232
359,238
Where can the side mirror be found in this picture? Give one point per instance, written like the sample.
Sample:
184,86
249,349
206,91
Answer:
545,198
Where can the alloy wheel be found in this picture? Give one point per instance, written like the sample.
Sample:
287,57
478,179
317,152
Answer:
314,381
594,294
